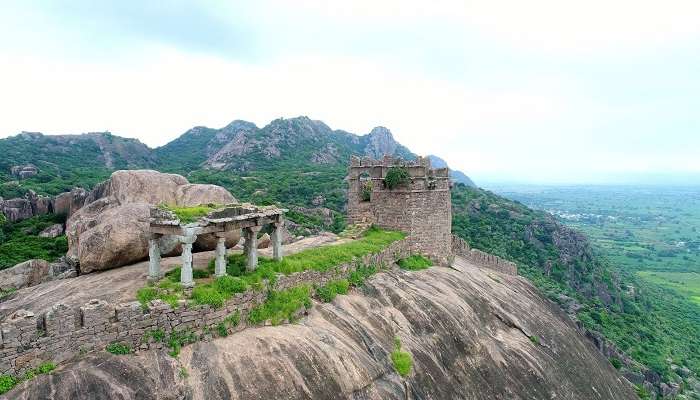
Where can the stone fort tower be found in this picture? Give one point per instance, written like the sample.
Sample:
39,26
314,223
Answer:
421,207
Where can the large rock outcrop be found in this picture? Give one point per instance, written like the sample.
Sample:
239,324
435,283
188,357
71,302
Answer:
473,334
111,229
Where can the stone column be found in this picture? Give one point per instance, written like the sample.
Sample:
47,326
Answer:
251,240
186,271
276,239
220,263
154,259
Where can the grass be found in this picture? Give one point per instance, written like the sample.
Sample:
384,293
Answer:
535,339
7,382
360,274
158,335
415,262
187,215
118,348
179,339
403,362
221,329
239,280
281,305
234,319
333,288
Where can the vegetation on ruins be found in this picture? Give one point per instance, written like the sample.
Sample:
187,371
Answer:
187,215
118,348
281,305
396,176
7,382
329,291
20,241
178,339
402,361
415,262
233,319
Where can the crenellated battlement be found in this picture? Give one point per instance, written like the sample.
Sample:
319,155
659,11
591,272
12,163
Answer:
420,206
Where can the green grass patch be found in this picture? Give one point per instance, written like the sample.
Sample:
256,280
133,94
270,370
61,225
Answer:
222,329
118,348
333,288
234,319
7,382
403,362
415,262
360,274
207,294
179,339
187,215
281,305
167,291
158,335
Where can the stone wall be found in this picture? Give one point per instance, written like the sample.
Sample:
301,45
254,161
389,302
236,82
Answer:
422,208
482,259
65,332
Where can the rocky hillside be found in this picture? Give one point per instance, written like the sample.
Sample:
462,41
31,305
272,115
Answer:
471,334
241,146
61,162
457,176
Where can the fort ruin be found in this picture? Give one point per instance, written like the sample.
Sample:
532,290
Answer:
421,206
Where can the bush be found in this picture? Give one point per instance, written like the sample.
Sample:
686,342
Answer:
221,329
118,348
179,339
366,191
360,274
328,292
616,362
234,319
415,263
281,305
402,360
157,335
208,295
44,368
396,176
7,382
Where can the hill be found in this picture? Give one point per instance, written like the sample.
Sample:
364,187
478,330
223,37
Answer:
457,176
464,340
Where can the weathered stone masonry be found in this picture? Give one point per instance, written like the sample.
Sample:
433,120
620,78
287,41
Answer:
422,208
477,257
64,333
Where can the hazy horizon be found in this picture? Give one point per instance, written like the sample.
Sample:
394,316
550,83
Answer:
541,92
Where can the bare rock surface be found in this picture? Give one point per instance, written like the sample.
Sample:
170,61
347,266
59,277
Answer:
111,229
52,231
468,330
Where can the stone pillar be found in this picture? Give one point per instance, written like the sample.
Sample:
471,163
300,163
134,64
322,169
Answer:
154,259
186,271
220,262
276,238
251,249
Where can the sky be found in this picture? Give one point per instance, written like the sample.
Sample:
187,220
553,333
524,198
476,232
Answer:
540,91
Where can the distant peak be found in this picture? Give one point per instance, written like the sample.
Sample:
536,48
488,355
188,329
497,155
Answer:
381,131
240,124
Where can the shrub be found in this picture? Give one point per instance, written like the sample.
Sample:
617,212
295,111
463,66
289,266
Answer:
44,368
7,382
415,263
535,339
328,292
179,339
208,295
234,319
402,360
158,335
118,348
616,362
396,176
221,329
361,272
281,305
366,191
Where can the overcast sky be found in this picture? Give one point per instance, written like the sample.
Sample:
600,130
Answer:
536,91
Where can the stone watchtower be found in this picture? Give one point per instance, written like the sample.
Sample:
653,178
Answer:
420,205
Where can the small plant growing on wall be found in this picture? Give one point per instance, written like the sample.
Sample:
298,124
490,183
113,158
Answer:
366,191
396,176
